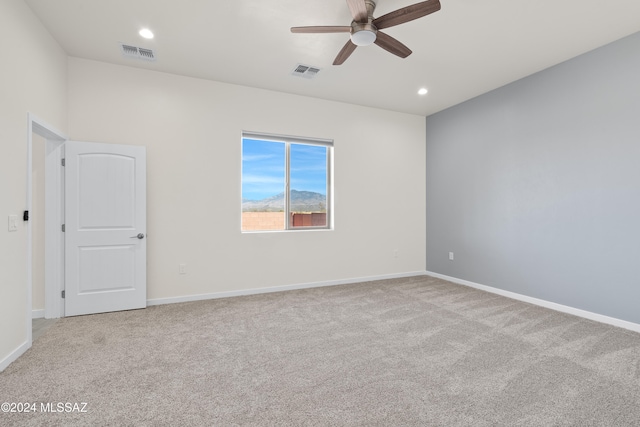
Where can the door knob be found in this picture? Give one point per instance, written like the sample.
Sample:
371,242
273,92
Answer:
138,236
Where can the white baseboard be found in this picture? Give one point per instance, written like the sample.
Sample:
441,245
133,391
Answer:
227,294
13,356
543,303
37,314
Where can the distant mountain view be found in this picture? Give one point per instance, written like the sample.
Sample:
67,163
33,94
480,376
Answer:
301,201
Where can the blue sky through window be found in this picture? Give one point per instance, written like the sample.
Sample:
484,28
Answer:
263,168
308,168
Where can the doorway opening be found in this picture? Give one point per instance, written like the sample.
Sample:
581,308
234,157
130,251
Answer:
44,242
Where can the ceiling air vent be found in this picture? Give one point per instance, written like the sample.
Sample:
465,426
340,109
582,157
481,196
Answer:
306,71
137,52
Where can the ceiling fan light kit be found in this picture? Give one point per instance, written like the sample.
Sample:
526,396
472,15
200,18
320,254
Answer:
364,29
363,34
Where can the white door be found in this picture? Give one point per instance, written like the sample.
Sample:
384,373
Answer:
105,228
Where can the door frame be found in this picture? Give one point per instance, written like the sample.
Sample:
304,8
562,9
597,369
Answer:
54,242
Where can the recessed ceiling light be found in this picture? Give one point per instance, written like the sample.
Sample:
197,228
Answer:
146,33
423,91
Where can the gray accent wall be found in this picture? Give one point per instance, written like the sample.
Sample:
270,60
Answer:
535,186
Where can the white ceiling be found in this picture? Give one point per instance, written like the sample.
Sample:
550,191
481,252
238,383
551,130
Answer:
467,48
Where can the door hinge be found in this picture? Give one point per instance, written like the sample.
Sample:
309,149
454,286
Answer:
63,294
62,162
63,228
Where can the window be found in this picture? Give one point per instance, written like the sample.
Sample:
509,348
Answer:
285,183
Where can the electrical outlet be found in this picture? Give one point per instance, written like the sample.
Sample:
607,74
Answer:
395,253
182,269
13,222
450,256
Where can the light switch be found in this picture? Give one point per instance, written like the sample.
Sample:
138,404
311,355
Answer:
13,222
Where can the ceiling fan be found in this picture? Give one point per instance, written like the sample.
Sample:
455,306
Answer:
364,28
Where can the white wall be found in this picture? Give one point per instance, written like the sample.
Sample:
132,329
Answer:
32,79
536,186
192,131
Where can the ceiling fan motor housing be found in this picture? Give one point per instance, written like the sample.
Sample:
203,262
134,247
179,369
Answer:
365,33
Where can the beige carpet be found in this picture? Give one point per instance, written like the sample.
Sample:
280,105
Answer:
402,352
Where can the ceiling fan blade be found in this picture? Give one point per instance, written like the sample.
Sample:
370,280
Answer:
321,29
407,14
358,10
346,51
392,45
